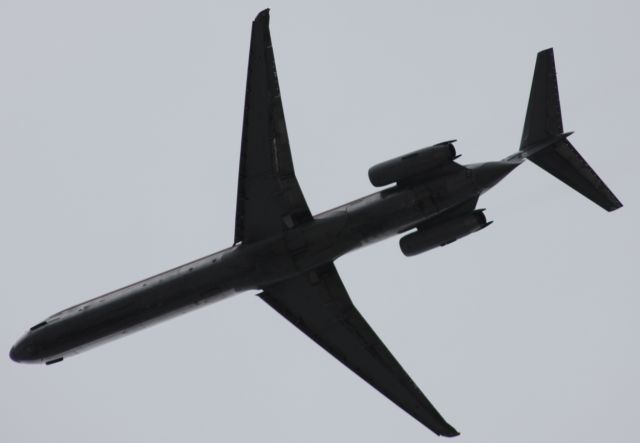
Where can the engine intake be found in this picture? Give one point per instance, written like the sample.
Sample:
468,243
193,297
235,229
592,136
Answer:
414,163
442,234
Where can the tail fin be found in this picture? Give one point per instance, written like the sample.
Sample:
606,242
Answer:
544,143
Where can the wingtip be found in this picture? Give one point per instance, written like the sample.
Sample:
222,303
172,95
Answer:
614,206
546,51
450,433
262,15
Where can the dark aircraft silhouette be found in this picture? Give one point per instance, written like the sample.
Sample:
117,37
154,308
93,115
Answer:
283,250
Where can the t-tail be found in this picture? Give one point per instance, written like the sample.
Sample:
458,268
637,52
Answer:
545,143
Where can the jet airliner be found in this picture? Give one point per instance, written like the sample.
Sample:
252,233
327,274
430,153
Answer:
288,254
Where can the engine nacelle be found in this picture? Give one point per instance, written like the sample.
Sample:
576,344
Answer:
417,162
442,234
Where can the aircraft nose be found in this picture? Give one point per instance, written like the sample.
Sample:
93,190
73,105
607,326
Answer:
17,353
22,351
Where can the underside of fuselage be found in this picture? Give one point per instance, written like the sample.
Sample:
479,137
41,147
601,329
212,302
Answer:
242,267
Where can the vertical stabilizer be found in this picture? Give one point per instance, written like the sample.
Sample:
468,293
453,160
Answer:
544,119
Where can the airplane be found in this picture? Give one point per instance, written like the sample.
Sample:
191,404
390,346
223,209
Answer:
288,254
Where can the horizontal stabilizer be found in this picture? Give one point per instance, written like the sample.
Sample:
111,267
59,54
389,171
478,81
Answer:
564,162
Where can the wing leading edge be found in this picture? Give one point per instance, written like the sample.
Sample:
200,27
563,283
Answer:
269,197
318,304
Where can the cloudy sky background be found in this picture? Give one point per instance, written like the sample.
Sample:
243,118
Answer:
119,138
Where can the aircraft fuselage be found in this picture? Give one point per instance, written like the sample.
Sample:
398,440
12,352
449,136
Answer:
330,235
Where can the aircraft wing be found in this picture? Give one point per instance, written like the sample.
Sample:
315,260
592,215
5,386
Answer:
269,197
318,304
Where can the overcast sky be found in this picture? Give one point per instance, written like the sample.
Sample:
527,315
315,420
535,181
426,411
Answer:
120,128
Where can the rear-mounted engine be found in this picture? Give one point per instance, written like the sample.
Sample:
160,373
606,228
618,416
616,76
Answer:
415,163
443,233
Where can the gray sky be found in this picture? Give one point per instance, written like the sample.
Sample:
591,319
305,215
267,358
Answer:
120,131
